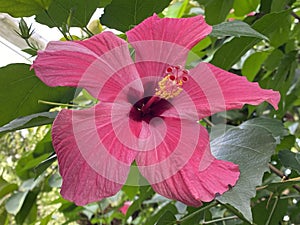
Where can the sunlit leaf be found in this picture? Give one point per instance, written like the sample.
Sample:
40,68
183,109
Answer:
23,8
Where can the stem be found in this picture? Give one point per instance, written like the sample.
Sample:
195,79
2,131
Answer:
57,104
221,219
198,212
272,211
280,174
208,122
235,212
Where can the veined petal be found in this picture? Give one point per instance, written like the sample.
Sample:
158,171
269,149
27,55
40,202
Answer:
92,161
166,40
182,167
101,64
215,90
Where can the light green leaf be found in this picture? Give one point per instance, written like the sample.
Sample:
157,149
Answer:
6,188
122,15
177,9
251,148
33,120
62,13
290,159
253,64
217,10
15,202
23,8
235,28
21,90
244,7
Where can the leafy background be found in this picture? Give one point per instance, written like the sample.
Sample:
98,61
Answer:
258,39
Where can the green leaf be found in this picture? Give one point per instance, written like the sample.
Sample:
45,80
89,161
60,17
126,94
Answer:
168,218
290,159
68,13
55,180
273,60
158,214
177,9
6,188
278,187
232,51
274,126
23,8
271,210
104,3
217,10
26,167
21,90
235,28
251,148
28,210
244,7
39,169
253,64
3,216
33,120
122,15
145,192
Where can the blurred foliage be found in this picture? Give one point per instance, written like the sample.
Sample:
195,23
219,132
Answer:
258,39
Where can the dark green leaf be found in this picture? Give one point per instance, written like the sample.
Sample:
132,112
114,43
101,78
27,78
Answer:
28,210
70,13
23,8
217,10
278,187
33,120
290,159
262,212
235,28
45,164
21,90
168,218
233,50
145,192
251,148
273,60
159,213
122,15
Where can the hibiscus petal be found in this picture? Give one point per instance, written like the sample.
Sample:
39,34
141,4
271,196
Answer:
165,41
102,60
213,90
182,167
93,162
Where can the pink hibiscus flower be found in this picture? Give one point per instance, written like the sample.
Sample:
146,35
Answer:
148,112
